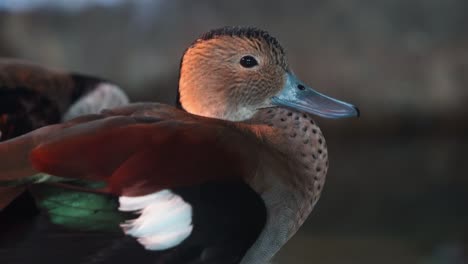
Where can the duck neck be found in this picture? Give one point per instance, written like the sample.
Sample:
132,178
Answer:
290,180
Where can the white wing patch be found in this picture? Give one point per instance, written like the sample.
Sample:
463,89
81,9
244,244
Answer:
165,219
104,96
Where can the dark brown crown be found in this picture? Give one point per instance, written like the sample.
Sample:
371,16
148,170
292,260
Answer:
246,32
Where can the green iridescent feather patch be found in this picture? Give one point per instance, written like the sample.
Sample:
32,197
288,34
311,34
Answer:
79,210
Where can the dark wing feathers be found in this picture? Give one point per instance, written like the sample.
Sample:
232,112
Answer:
137,158
136,149
227,220
152,147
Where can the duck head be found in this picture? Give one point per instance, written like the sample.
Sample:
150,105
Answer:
230,73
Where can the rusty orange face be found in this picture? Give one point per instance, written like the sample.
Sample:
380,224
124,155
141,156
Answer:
230,73
230,77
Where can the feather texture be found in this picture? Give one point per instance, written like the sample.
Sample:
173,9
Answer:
165,219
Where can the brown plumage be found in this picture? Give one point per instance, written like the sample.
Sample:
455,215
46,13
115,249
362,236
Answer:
238,127
164,147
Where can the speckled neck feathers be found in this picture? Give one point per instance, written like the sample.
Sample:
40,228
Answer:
291,184
297,136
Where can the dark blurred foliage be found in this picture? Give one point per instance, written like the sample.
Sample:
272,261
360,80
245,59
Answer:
397,189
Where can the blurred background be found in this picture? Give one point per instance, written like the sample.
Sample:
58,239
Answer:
397,187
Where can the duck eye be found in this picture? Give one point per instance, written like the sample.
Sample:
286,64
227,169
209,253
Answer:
248,61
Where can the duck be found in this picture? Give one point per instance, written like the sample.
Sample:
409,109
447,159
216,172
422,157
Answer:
33,96
227,176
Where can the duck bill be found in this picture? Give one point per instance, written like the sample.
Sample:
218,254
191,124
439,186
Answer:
298,96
